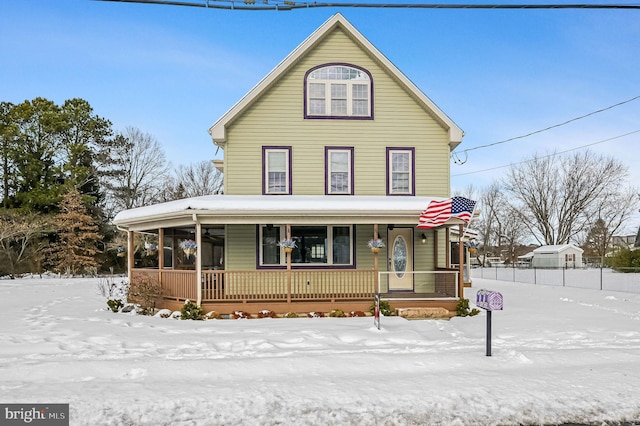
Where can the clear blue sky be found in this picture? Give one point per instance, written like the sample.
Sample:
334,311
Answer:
173,71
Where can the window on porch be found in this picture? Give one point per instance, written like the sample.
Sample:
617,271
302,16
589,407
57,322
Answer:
316,245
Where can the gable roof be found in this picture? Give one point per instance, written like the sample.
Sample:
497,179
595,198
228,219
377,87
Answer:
218,130
556,248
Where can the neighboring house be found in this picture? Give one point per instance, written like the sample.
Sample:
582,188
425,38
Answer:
557,256
525,260
333,148
625,241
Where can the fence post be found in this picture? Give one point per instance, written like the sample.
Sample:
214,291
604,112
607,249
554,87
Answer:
600,276
563,269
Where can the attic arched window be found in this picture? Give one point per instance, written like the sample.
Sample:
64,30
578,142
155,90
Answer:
338,91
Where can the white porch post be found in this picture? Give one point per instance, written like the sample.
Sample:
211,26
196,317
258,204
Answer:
198,263
288,236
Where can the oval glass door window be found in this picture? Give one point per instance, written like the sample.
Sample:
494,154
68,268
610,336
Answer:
399,256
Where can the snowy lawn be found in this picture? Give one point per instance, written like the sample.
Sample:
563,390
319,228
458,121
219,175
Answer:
559,355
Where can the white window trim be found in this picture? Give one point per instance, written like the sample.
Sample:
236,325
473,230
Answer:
391,171
350,99
349,170
287,163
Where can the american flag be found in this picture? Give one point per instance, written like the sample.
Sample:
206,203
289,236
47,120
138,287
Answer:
438,212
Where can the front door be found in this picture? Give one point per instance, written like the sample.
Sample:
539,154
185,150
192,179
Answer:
400,259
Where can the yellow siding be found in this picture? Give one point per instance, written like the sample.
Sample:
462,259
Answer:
240,248
276,119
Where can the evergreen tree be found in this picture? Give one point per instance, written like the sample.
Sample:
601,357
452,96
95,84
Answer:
75,248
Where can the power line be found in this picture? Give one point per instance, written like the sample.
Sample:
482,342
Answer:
550,155
465,151
292,5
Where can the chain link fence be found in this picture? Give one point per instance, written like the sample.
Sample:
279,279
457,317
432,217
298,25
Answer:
618,279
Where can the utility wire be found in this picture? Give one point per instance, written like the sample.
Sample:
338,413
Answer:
465,151
550,155
291,5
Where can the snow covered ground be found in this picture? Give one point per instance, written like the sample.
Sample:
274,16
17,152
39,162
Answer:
560,355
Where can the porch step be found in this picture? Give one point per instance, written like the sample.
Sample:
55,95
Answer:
416,313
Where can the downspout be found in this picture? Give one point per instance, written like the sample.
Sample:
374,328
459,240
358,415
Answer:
130,257
461,263
198,260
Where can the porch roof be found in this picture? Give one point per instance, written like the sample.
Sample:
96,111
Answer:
276,209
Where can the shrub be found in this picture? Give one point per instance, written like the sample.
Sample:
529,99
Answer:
336,313
115,304
626,258
291,315
212,315
145,291
385,309
191,311
241,315
267,314
315,314
356,314
462,309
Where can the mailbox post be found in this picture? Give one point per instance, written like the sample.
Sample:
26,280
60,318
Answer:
489,301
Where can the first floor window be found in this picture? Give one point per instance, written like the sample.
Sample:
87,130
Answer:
315,245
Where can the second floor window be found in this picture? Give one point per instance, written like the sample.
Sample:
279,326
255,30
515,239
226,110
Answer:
338,91
277,170
339,166
400,171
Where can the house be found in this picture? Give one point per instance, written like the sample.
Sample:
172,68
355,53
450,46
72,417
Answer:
333,148
557,256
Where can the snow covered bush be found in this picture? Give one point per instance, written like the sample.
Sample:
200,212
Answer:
241,315
191,311
212,315
356,314
267,314
385,309
115,304
313,314
114,291
336,313
290,315
462,309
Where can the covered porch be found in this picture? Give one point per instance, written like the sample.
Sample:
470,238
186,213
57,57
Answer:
226,272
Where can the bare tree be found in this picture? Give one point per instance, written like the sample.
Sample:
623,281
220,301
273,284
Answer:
194,180
21,241
199,179
144,171
608,216
556,195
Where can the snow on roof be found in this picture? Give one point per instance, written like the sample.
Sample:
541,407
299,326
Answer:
556,248
265,206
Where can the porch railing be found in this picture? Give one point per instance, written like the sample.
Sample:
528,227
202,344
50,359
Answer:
294,285
236,286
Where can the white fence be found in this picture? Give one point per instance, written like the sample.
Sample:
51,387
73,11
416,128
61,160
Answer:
599,279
